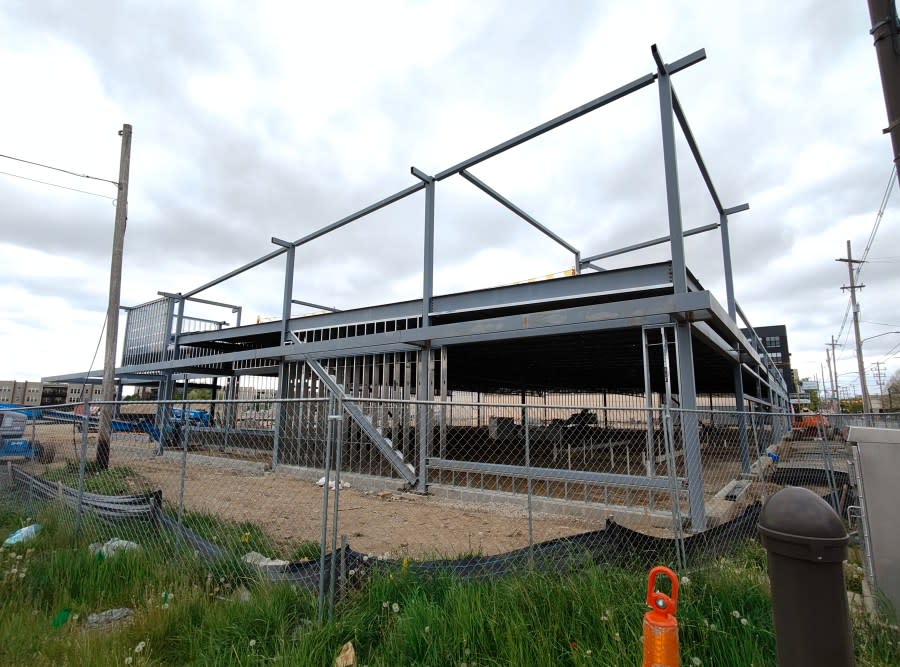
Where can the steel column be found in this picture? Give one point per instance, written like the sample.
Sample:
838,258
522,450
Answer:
687,389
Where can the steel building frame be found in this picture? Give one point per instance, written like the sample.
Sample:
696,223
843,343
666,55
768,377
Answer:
660,297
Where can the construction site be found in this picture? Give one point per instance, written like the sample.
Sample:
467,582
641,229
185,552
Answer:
600,388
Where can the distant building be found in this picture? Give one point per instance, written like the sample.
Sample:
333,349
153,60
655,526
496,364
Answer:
775,341
20,392
27,393
75,393
54,393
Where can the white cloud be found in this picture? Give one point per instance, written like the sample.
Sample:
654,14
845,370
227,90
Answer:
276,120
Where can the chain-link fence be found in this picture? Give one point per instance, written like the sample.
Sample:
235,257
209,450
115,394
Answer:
317,490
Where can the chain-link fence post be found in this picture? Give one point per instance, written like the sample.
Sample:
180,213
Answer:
183,473
338,418
324,535
677,528
85,426
528,478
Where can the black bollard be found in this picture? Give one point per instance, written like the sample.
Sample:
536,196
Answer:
806,545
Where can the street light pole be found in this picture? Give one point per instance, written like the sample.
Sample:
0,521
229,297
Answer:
108,390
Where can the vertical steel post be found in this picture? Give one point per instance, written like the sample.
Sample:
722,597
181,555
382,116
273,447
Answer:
185,422
423,428
744,443
648,403
428,265
423,414
687,390
324,536
179,323
338,447
85,425
528,479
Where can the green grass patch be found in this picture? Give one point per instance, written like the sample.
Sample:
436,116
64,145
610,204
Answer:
191,612
108,482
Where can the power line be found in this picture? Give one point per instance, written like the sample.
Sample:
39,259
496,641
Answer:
884,202
65,171
56,185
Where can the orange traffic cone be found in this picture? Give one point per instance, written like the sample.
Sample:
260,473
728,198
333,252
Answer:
660,625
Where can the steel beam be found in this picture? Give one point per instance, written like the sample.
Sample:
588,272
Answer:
363,212
614,281
170,295
647,244
559,474
562,119
582,318
236,272
488,190
315,305
695,151
687,389
288,293
670,161
726,256
428,251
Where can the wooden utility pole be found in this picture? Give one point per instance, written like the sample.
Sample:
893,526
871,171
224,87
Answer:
832,372
108,392
867,406
886,34
880,379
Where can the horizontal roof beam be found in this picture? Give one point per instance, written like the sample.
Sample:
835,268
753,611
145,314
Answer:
648,276
647,244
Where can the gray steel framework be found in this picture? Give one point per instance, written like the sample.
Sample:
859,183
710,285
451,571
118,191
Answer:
597,305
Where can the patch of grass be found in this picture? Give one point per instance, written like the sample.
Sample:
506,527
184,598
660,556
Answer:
236,538
188,611
307,550
108,482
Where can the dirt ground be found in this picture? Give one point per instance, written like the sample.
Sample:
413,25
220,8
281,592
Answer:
388,522
289,508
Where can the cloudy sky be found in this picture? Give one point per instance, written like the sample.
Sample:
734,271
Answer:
277,120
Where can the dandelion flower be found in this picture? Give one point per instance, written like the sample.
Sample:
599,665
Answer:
744,621
129,660
252,643
384,605
395,607
685,581
589,652
427,629
351,572
140,647
736,613
696,661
